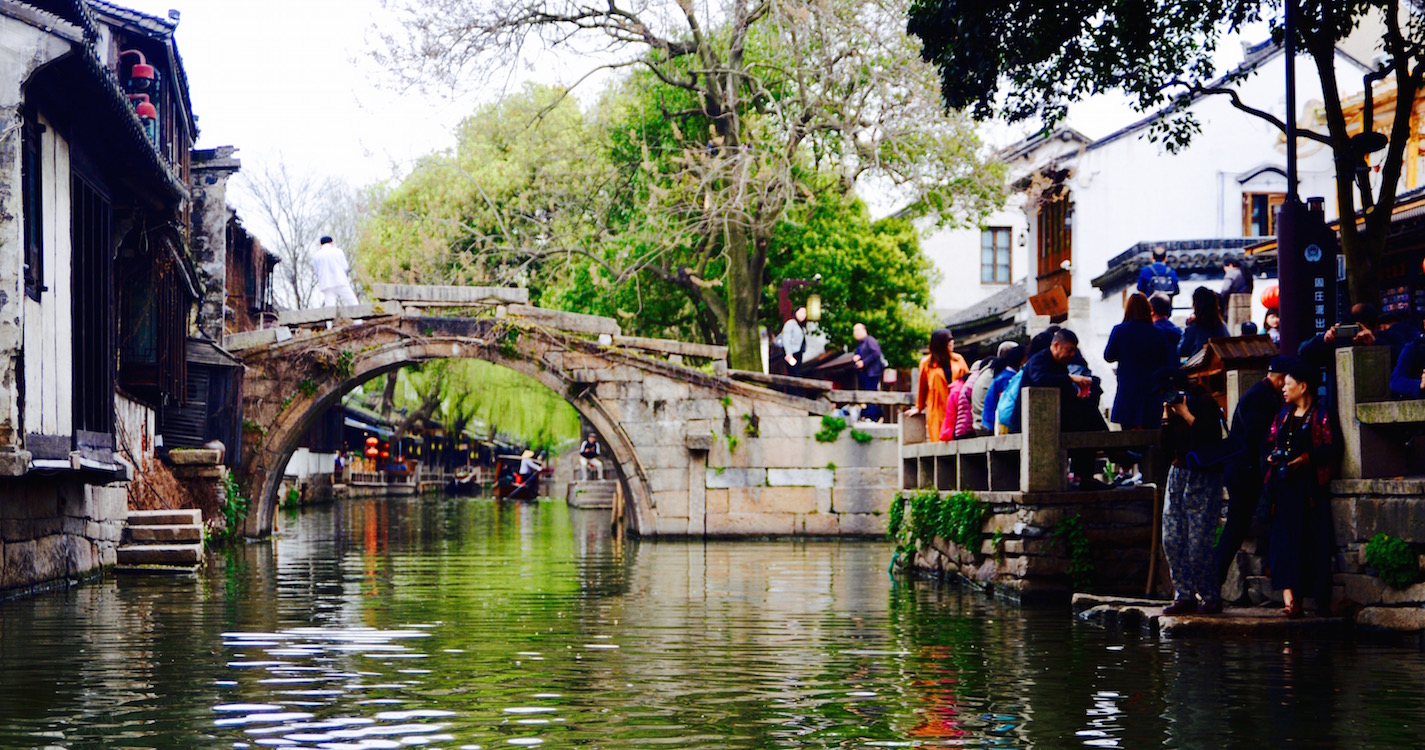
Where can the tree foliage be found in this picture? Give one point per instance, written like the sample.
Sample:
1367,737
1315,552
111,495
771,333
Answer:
724,111
1029,59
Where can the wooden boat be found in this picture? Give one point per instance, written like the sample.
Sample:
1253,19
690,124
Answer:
508,483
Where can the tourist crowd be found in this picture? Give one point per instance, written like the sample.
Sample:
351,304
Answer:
1274,458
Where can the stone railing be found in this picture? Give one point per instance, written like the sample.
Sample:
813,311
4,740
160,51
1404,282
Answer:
1034,460
1376,430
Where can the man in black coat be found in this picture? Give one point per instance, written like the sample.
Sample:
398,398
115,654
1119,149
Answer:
1243,472
1078,404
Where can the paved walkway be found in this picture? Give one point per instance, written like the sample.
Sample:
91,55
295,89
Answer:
1264,621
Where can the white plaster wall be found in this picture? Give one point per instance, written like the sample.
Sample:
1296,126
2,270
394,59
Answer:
1132,189
306,463
22,49
956,255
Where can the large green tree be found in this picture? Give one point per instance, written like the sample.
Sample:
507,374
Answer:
1029,59
758,92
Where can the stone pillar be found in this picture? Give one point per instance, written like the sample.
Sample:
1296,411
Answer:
1363,375
1239,311
1041,463
211,170
1238,381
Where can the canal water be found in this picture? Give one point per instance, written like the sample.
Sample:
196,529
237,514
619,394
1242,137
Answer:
460,623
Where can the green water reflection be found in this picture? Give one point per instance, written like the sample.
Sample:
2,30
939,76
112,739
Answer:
463,623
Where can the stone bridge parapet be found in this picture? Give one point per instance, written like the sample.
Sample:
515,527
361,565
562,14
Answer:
698,454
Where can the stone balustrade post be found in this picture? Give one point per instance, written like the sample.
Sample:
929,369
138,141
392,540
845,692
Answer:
1239,311
1362,376
1041,462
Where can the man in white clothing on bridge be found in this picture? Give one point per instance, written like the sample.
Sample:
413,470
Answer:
329,263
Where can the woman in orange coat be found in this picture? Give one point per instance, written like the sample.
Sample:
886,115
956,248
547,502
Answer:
937,373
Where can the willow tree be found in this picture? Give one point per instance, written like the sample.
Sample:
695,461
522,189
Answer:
1027,60
770,89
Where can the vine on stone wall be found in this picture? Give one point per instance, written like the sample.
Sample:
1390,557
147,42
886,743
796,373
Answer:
1394,560
917,519
1070,533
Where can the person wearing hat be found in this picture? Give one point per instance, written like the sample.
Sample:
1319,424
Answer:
1305,444
1247,447
529,466
1191,431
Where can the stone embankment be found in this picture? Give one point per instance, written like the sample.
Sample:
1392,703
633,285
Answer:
1033,546
56,531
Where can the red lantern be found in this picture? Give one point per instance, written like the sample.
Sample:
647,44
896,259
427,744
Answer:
1271,297
371,452
371,441
385,454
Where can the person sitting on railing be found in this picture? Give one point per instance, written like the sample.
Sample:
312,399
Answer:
1078,406
1408,379
1001,374
956,423
1191,428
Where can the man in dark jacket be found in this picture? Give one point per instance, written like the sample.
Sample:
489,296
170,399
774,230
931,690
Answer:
870,364
1243,470
1163,321
1078,410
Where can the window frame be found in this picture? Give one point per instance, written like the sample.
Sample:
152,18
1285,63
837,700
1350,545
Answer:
32,204
993,233
1273,199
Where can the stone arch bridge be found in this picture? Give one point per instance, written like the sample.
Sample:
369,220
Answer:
698,453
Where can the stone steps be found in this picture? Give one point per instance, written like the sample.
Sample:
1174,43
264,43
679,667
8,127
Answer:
163,539
164,517
165,534
597,494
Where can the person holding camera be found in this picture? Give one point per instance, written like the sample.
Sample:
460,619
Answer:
1246,448
1191,431
1305,444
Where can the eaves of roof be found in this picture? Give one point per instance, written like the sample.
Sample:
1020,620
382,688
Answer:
1184,256
161,30
1006,300
46,20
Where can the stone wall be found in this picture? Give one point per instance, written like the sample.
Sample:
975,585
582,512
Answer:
54,530
782,481
1031,562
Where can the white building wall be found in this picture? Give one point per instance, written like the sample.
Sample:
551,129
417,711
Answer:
305,463
23,48
956,255
1132,190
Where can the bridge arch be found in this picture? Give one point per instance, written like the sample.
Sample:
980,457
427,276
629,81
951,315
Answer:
290,384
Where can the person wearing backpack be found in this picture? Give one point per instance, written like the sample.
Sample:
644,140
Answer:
1002,371
1157,277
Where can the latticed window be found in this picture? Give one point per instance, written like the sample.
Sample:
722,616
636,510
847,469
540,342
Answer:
994,255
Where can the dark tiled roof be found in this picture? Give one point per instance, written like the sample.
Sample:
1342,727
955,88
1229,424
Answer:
1006,300
1184,256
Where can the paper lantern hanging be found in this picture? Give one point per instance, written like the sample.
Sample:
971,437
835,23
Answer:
1271,297
372,441
371,452
385,454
